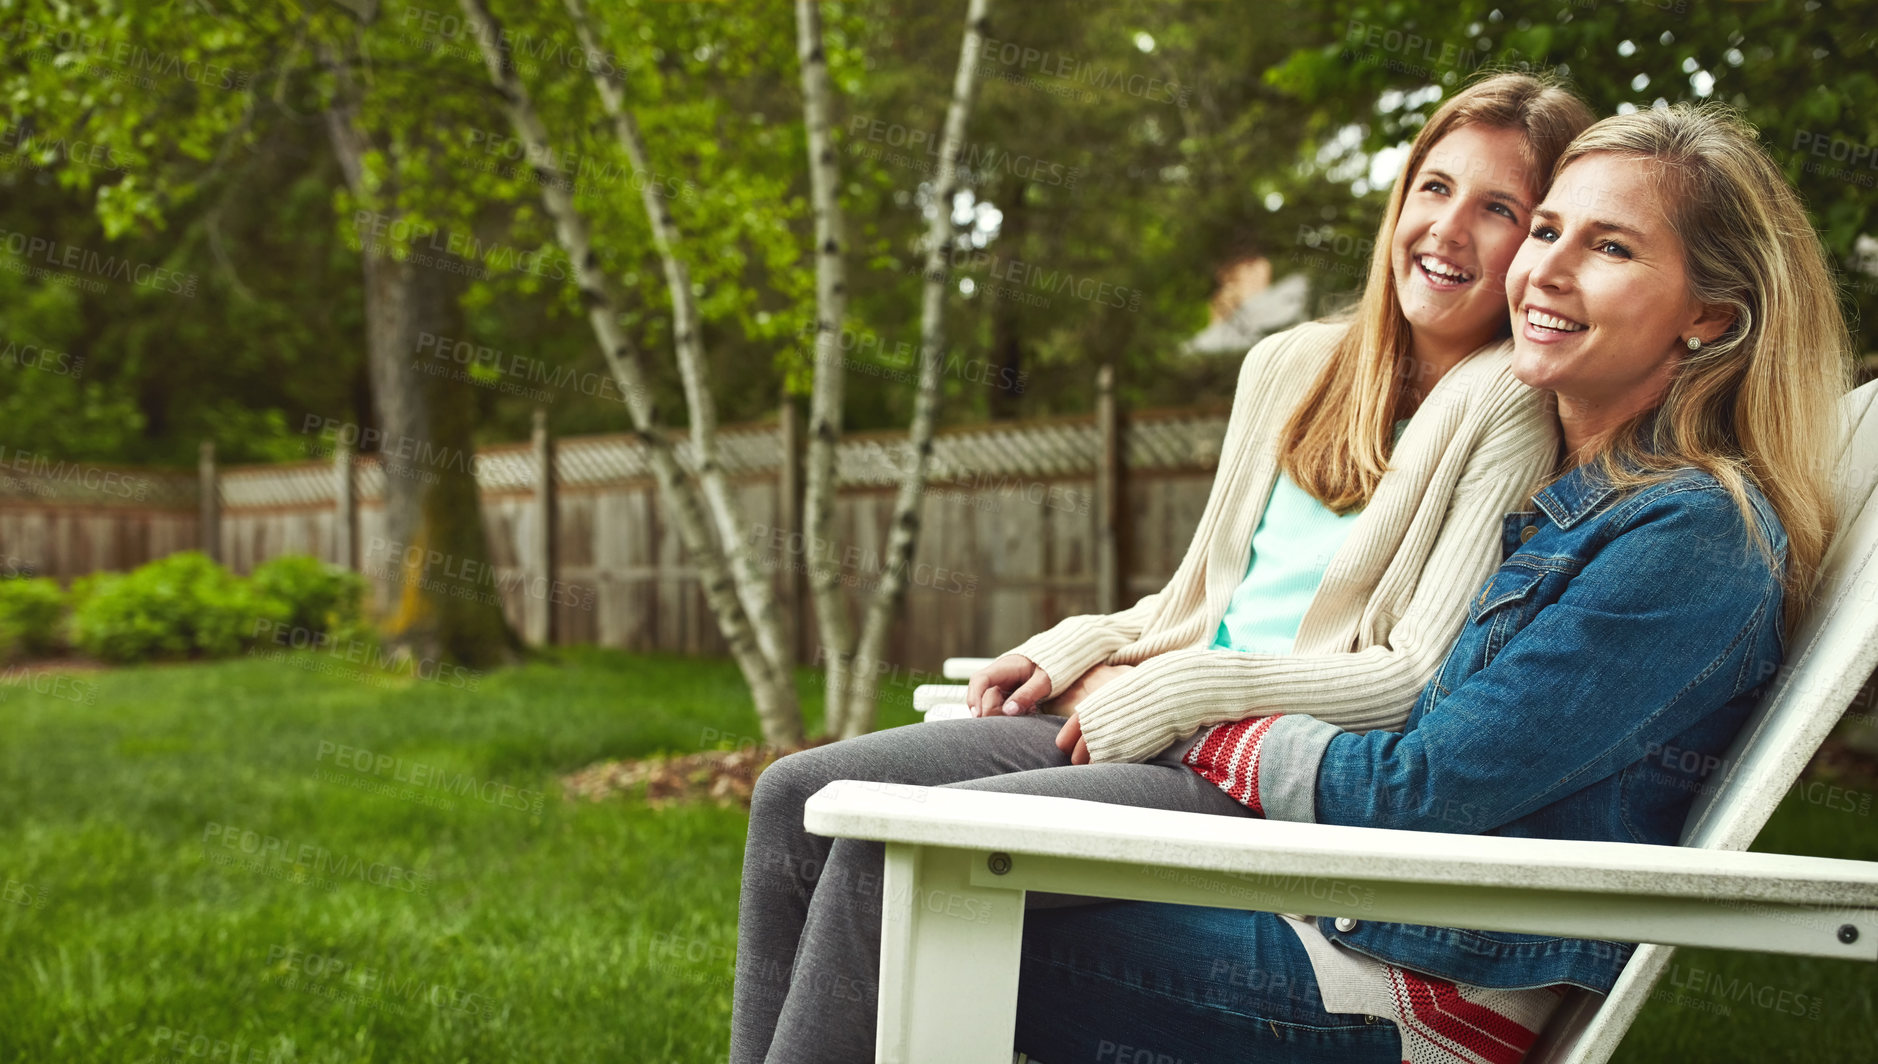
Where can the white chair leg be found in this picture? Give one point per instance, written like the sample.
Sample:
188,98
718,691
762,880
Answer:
949,954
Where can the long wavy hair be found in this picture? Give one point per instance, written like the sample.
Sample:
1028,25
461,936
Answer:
1758,404
1337,441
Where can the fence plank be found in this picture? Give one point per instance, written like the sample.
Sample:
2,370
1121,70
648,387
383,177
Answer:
209,517
344,535
537,541
1108,498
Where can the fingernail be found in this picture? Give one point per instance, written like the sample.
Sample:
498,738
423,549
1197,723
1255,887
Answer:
1011,708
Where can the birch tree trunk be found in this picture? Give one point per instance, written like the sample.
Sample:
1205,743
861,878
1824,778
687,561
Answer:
904,526
770,684
754,589
835,628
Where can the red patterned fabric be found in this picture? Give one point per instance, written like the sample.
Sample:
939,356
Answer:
1440,1022
1443,1023
1228,755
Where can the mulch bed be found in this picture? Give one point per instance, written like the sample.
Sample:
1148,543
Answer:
726,777
74,663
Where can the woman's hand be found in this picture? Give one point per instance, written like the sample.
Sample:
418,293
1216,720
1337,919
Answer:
1069,738
1027,684
1087,684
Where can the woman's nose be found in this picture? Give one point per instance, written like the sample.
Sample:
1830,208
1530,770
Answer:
1552,268
1450,226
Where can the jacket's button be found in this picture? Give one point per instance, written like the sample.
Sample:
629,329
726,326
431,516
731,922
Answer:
1526,534
1344,923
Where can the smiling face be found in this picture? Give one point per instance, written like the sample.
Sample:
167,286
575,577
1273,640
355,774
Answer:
1600,294
1462,221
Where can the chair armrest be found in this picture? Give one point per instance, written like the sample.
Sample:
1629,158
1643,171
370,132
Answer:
941,701
962,668
928,695
1628,892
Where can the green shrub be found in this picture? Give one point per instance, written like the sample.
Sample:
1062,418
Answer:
30,610
180,606
310,594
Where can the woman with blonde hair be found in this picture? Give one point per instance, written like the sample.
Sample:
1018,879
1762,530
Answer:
1364,472
1674,300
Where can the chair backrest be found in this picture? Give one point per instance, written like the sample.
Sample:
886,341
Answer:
1830,655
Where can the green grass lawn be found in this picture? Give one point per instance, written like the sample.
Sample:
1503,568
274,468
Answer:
390,919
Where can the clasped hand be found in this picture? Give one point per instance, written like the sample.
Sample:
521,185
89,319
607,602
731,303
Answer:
1030,686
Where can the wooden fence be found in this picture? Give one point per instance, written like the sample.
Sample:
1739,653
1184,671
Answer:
1024,523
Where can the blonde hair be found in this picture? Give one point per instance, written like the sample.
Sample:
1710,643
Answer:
1758,404
1336,443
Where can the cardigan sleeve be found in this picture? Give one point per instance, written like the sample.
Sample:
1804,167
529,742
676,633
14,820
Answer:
1173,695
1077,644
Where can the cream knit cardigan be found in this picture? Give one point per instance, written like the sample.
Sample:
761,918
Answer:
1395,594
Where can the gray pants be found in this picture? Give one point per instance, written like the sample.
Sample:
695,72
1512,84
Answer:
808,926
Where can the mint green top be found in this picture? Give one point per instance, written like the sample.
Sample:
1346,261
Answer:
1292,547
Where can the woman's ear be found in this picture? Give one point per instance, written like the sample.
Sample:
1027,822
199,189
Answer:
1710,322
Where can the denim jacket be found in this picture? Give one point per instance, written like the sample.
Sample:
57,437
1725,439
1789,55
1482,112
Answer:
1602,671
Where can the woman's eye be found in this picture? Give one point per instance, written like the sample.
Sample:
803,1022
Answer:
1614,249
1545,233
1502,208
1435,186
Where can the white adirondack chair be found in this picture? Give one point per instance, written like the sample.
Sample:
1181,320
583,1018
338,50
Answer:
948,987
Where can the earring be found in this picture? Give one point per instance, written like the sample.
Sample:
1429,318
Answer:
1695,343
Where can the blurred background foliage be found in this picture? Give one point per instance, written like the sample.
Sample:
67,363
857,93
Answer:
1135,148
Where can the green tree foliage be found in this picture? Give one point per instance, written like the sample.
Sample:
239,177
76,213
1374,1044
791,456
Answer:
1126,152
164,236
225,177
1122,152
1803,71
